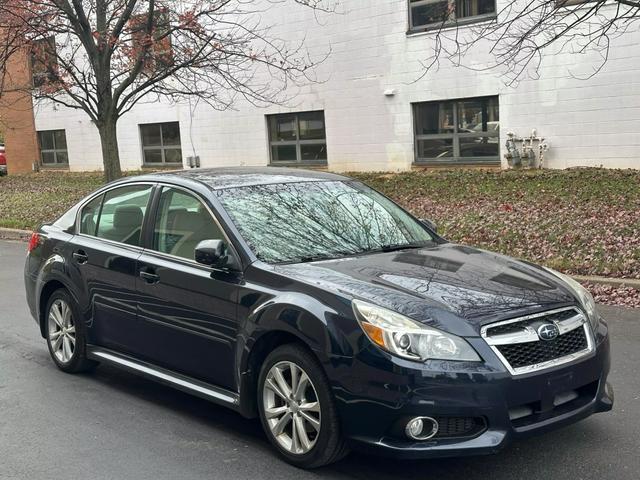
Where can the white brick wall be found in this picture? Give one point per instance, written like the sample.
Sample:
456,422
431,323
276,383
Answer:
586,122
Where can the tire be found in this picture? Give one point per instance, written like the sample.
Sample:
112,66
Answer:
66,337
313,410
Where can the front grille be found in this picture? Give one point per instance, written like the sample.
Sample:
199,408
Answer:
517,326
456,427
531,353
519,346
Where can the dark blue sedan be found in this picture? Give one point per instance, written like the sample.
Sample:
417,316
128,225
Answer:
320,306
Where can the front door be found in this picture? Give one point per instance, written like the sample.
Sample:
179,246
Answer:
188,310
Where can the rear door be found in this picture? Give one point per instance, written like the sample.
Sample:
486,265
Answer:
104,258
187,311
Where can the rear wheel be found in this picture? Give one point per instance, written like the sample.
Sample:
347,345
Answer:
66,337
297,409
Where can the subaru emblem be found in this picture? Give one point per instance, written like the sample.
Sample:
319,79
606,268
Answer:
548,331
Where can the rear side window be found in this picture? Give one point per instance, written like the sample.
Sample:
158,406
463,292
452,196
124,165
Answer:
117,215
122,214
182,222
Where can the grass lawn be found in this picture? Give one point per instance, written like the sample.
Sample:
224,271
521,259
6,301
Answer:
578,221
583,221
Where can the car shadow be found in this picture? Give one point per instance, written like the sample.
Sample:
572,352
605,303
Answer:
519,460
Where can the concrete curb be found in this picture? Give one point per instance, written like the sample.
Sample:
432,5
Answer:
15,234
614,282
23,235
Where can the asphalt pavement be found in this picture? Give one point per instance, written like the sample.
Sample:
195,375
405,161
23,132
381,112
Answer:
113,425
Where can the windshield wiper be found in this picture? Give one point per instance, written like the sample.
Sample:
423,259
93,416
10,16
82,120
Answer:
398,246
326,256
342,254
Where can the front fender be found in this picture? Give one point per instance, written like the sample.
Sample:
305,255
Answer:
283,316
307,318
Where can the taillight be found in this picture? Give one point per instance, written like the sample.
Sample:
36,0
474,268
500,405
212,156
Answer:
34,242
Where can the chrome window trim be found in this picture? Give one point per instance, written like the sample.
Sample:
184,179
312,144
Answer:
151,251
577,321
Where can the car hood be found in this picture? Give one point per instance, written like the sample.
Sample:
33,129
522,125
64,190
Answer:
452,287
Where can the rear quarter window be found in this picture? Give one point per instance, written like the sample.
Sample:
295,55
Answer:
67,222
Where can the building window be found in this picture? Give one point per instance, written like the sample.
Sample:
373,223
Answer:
53,148
426,14
159,53
44,62
570,3
298,138
462,131
161,143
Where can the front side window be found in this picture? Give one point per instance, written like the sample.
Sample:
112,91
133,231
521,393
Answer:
182,223
161,143
425,14
297,222
53,148
298,138
117,215
463,131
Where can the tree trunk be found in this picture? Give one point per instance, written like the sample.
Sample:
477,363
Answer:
110,153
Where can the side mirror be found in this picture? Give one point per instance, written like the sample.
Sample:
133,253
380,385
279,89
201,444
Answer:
213,253
429,224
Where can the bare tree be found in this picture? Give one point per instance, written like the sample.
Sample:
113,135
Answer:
522,31
105,56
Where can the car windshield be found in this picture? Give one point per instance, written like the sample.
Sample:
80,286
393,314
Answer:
306,221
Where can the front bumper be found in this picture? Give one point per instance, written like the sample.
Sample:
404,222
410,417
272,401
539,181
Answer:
382,395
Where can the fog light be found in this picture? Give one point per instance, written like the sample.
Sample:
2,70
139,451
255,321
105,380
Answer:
421,428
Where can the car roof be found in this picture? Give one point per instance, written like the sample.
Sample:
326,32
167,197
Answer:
234,177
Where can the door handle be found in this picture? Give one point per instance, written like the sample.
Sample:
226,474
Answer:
150,278
80,257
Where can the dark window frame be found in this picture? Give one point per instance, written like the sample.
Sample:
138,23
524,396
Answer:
297,142
162,147
54,150
44,62
450,22
455,136
160,54
572,3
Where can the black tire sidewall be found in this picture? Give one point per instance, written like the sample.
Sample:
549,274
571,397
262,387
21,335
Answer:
78,360
329,432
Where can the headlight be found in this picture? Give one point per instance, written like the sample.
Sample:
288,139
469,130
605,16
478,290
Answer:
586,299
405,338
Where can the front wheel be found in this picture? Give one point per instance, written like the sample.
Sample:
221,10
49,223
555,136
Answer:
297,409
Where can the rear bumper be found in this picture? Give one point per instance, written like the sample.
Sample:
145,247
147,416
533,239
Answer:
391,396
30,286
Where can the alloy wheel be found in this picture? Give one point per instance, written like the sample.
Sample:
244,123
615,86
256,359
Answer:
62,331
291,407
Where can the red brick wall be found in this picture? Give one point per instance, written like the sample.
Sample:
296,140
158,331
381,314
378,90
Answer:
16,115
